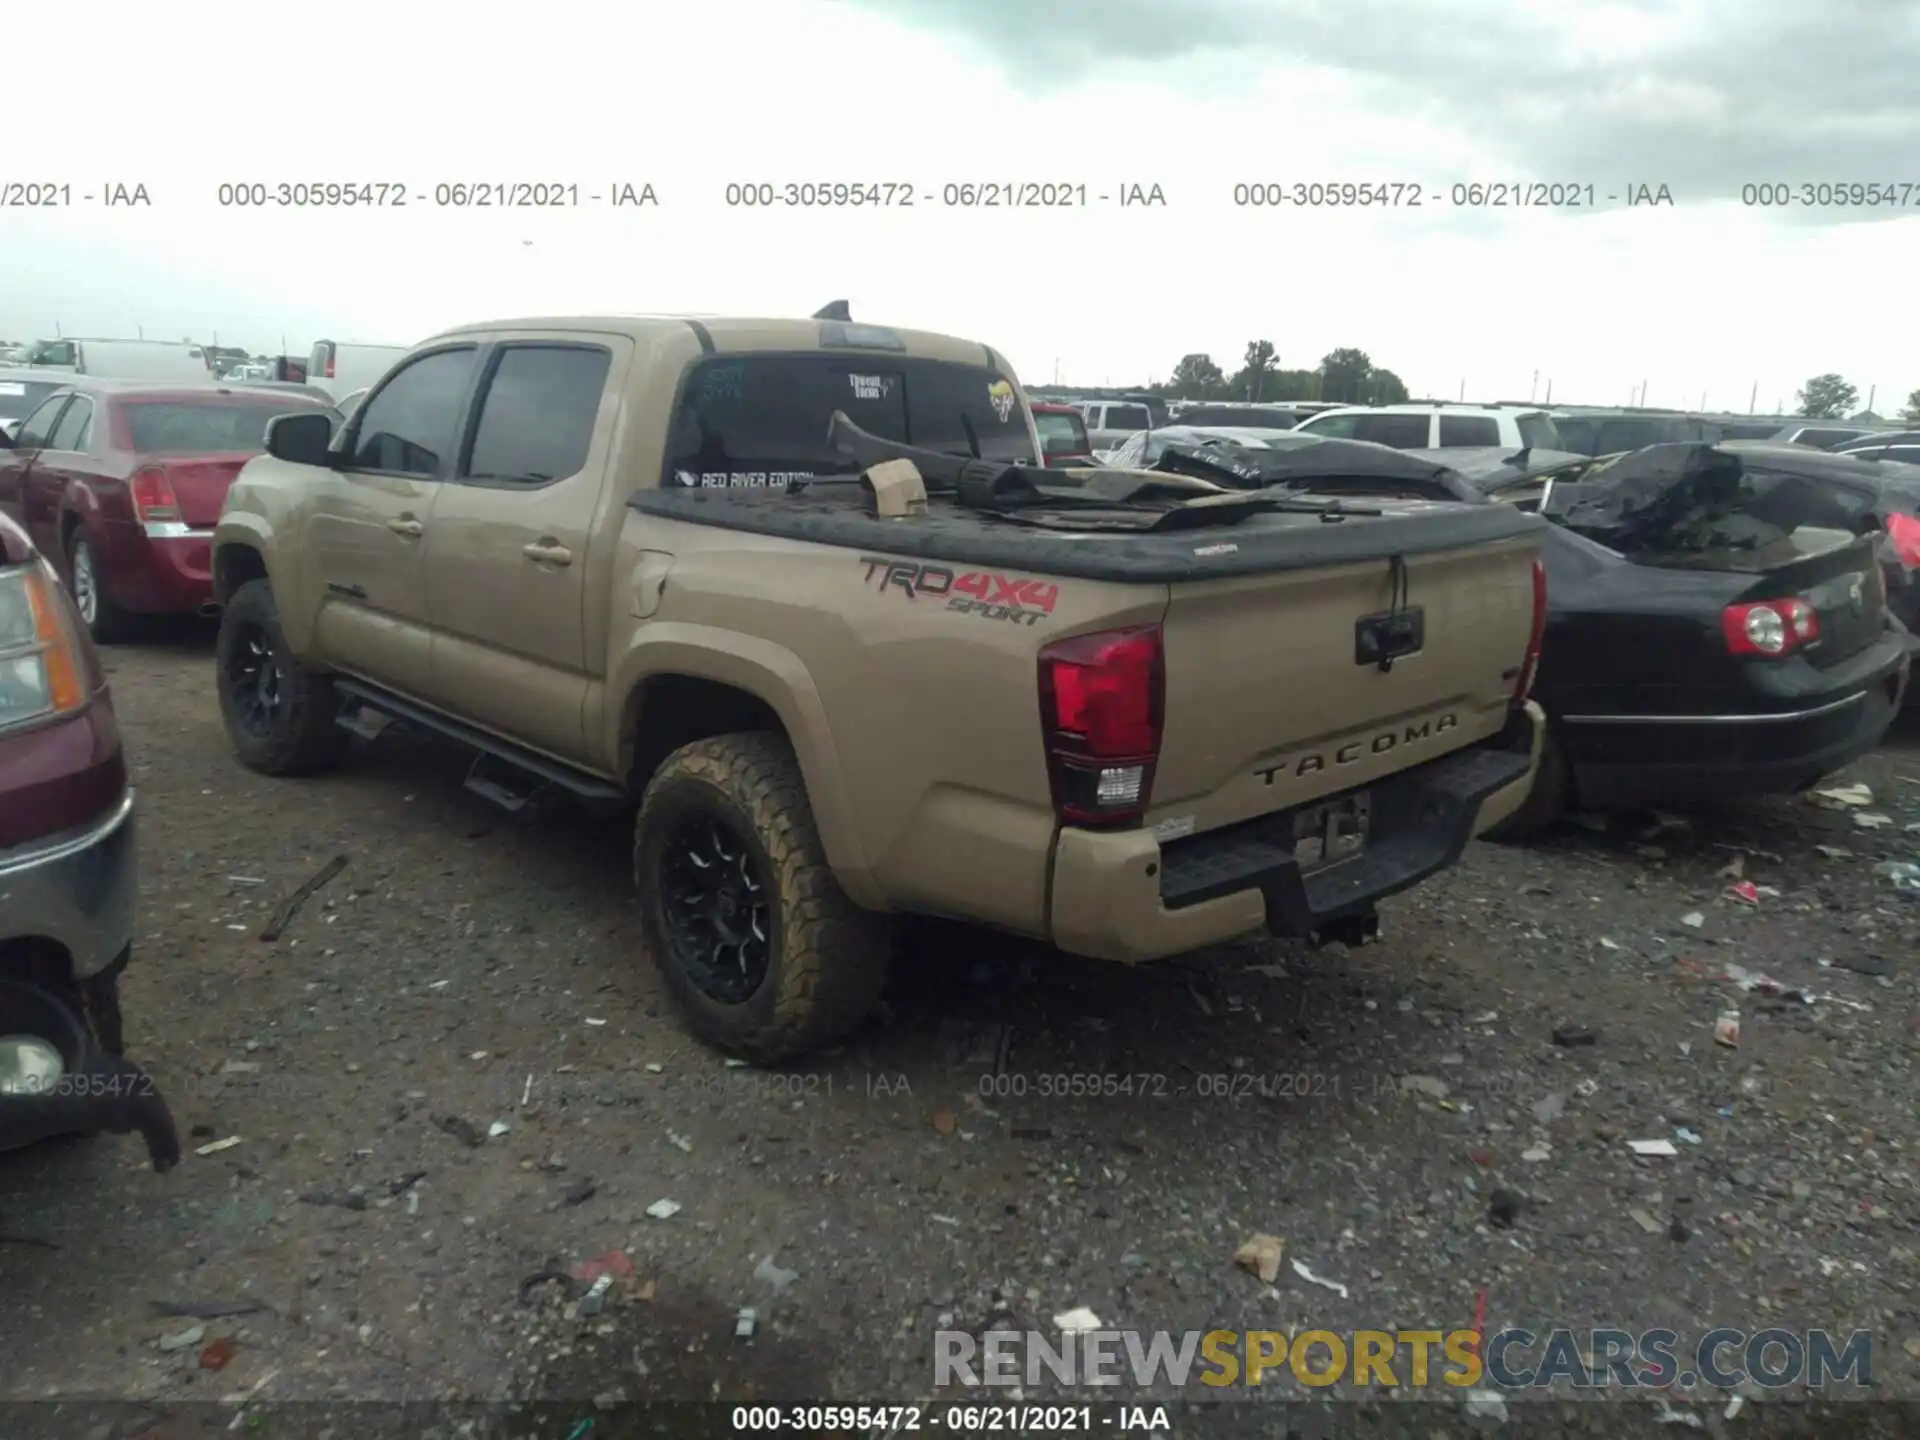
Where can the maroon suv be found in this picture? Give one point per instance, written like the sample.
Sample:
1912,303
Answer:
67,875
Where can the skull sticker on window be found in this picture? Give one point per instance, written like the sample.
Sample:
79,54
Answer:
1001,394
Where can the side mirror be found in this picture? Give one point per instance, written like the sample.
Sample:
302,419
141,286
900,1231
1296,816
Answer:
6,438
301,439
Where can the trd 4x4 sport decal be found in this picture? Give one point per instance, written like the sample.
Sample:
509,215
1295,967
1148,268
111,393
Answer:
1014,598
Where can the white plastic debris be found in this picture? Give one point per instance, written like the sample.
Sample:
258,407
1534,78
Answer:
592,1020
946,1220
1680,1132
1846,796
1831,852
1652,1147
1665,1414
1300,1269
1734,1407
1077,1320
679,1141
1588,1088
745,1323
1872,820
497,1129
1537,1153
1693,919
1606,944
1726,1029
595,1300
664,1209
1486,1405
214,1147
768,1273
182,1339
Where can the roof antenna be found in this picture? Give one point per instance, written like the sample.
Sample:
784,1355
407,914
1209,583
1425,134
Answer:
834,310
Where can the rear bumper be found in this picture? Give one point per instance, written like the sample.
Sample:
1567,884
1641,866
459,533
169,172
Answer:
76,890
94,1092
165,570
1621,761
1123,896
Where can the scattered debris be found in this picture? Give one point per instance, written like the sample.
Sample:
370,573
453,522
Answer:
1652,1147
1487,1405
614,1262
1077,1320
664,1209
1262,1255
1693,919
945,1121
465,1131
1845,797
1734,1407
1665,1414
579,1192
401,1184
1748,893
1427,1085
290,907
768,1273
745,1323
1550,1107
1831,852
497,1129
679,1141
1587,1088
1681,1132
214,1147
568,1285
595,1300
1646,1222
1871,820
1504,1207
206,1309
338,1199
1606,944
1537,1154
1300,1269
1569,1037
1726,1029
217,1355
1905,874
182,1339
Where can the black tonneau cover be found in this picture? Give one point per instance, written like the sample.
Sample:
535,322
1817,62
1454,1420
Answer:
1258,544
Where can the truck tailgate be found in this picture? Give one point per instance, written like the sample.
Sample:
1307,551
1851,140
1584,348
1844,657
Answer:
1270,705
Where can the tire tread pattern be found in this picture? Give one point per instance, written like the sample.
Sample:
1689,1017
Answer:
307,740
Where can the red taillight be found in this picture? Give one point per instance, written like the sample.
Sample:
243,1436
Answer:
1536,637
1769,628
1102,704
1904,532
153,498
330,374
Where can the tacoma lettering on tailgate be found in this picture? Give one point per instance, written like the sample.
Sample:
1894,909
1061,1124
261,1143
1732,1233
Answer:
1018,599
1356,750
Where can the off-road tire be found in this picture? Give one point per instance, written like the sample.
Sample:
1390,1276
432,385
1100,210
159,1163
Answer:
1547,802
829,958
110,623
304,738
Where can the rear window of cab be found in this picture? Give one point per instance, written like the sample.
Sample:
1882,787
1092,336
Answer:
759,421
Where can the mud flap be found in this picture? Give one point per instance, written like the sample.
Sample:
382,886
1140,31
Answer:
1353,931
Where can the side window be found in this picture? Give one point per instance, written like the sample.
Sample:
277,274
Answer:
37,427
1468,430
1903,454
538,412
74,427
1617,435
1577,436
1402,432
1127,417
1334,427
407,428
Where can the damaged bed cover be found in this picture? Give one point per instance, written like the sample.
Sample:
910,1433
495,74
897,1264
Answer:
1130,527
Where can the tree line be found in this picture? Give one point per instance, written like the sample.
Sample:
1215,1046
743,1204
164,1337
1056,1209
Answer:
1832,397
1345,377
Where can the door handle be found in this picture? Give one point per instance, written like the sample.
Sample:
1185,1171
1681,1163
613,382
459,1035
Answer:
548,554
406,527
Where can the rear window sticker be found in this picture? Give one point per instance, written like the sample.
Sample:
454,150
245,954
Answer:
871,387
740,479
723,382
1001,394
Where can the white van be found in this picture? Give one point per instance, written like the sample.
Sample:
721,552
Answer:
340,368
119,359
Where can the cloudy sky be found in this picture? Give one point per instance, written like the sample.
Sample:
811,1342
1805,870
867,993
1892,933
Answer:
1707,296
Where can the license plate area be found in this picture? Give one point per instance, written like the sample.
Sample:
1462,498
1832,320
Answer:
1331,833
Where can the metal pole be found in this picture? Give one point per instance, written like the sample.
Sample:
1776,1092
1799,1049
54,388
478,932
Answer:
1549,399
1753,400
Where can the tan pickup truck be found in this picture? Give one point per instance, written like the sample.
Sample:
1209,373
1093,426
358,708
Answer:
797,589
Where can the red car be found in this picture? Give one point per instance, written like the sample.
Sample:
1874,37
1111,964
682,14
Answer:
121,481
1063,435
67,876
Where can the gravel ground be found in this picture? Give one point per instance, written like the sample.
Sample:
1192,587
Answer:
1374,1108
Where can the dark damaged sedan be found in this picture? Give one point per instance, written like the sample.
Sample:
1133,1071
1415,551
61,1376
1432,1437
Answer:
67,876
1717,621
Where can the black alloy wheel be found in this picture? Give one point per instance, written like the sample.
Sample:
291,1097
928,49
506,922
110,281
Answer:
715,896
254,682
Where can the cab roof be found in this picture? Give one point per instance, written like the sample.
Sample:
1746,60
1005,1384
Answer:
733,335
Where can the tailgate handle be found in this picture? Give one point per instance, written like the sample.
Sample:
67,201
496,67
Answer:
1381,639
